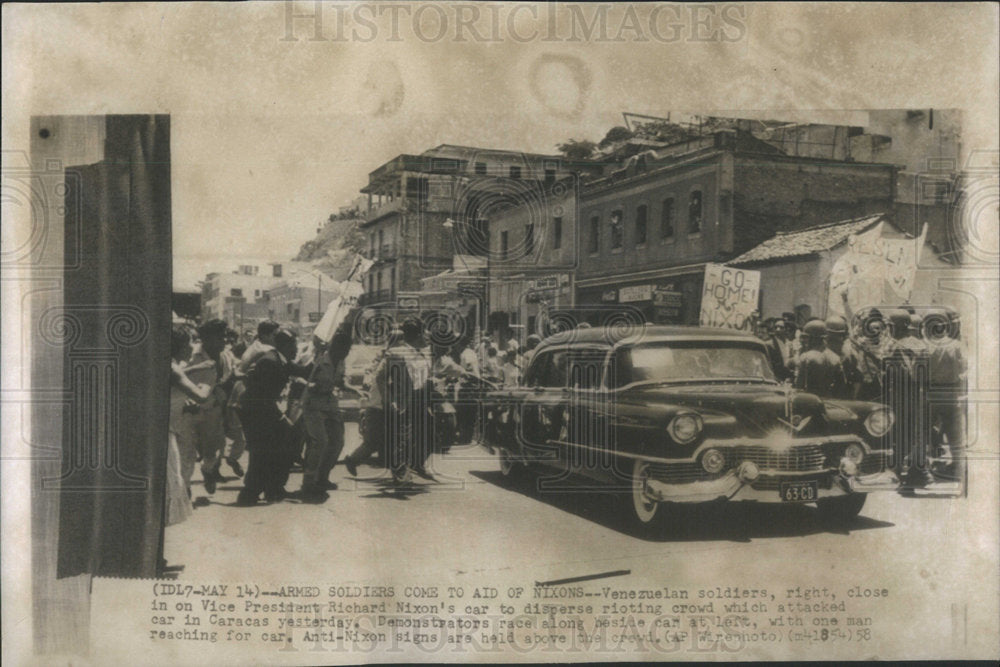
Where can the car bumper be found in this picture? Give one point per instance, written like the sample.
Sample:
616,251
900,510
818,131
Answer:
765,488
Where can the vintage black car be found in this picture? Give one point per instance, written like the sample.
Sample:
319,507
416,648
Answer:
666,415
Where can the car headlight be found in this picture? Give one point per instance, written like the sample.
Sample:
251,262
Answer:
879,422
684,428
854,453
713,461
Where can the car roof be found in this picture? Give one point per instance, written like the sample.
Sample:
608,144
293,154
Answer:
612,336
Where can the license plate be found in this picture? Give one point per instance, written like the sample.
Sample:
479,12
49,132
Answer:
799,492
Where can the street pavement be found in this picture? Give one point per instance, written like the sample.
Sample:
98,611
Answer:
471,522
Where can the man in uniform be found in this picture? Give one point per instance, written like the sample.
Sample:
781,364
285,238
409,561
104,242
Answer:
265,426
818,370
848,356
948,376
905,391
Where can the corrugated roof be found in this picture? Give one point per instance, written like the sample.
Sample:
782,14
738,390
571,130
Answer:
806,241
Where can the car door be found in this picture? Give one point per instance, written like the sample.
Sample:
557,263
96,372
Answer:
542,415
589,413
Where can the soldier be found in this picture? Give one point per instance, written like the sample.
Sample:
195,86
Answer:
949,376
818,370
848,356
905,391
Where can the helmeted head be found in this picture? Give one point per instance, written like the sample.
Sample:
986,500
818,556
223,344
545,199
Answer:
836,330
814,333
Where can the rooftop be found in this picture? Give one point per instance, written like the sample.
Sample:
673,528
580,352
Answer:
804,242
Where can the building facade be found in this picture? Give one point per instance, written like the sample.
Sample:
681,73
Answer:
228,295
425,209
533,255
647,230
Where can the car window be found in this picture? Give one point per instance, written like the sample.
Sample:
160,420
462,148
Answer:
586,368
678,362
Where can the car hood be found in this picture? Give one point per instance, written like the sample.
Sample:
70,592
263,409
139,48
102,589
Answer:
757,408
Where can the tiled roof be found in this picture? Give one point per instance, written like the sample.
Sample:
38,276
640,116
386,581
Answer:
806,241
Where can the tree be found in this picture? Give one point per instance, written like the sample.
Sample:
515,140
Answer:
615,135
577,150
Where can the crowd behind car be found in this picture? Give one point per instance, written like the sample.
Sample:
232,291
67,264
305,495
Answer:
280,398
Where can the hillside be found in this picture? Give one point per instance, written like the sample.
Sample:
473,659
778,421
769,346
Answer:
335,247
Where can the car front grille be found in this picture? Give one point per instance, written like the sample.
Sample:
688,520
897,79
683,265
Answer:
799,458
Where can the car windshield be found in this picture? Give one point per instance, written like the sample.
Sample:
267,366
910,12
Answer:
692,361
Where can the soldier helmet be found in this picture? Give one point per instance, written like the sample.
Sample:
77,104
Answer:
814,328
836,324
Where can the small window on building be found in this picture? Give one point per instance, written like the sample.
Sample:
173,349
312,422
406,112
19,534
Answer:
550,175
556,233
371,245
381,241
515,171
667,216
378,281
236,292
504,247
617,228
481,168
529,240
392,280
640,225
595,235
694,212
256,293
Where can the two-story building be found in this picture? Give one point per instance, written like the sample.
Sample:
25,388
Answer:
647,230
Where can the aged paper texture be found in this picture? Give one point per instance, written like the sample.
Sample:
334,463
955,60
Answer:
499,332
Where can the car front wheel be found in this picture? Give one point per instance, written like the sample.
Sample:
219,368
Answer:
840,509
647,513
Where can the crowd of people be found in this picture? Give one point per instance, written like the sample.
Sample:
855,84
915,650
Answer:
277,399
912,361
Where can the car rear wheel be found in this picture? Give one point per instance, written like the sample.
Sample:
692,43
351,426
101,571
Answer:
840,509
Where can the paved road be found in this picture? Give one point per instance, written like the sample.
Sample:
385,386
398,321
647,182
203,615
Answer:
471,521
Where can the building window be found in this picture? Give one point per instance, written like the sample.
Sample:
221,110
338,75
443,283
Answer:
392,280
595,235
515,171
694,212
556,233
371,283
256,293
378,281
529,239
236,291
381,241
667,215
503,246
371,245
550,175
640,225
481,168
617,228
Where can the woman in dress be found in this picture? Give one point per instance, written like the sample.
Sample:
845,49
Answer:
182,390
